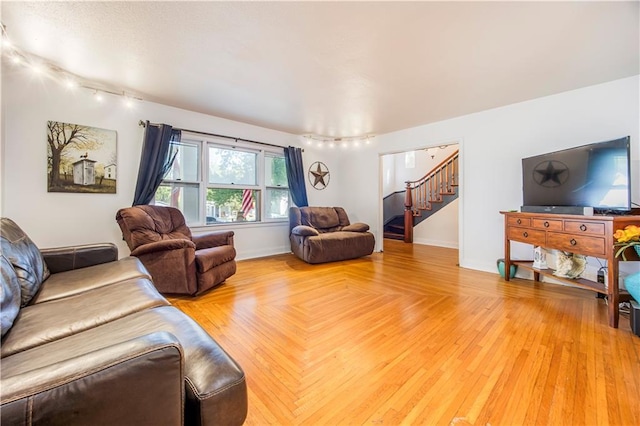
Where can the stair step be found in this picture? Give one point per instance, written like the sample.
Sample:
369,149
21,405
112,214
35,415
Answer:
393,236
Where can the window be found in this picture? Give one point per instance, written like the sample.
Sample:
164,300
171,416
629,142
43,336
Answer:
277,191
214,181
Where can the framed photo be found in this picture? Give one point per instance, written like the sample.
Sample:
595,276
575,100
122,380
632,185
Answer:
81,158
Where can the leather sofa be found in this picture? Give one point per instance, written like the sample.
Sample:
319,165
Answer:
324,234
87,339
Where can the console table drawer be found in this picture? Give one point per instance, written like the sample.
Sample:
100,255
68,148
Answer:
519,221
595,228
527,235
550,224
589,246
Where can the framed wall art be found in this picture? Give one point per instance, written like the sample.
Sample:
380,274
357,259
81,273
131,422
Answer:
81,158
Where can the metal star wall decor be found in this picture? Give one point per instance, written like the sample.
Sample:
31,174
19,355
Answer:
319,175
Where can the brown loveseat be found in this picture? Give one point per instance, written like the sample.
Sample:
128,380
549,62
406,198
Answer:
87,339
324,234
178,261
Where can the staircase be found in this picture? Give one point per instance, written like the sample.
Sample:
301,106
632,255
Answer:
421,198
393,214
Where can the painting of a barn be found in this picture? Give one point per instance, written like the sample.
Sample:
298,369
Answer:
84,172
80,158
110,171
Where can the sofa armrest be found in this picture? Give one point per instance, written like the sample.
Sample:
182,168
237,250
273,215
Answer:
356,227
164,245
304,231
213,239
140,381
60,259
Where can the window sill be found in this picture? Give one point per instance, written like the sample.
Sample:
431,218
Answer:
244,225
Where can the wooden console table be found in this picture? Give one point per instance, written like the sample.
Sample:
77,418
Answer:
586,235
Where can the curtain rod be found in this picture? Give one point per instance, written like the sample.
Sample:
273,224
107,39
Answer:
143,124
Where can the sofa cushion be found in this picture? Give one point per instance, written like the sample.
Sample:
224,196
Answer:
137,382
324,219
304,231
216,390
356,227
343,218
54,320
340,245
68,283
27,261
209,258
213,239
9,295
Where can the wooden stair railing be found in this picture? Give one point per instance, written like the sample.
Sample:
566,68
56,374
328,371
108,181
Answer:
422,193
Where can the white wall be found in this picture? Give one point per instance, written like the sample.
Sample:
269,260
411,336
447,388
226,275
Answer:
389,174
328,196
56,219
441,228
492,144
425,161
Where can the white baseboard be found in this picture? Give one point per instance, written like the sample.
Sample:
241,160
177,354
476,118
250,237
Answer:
437,243
262,252
479,266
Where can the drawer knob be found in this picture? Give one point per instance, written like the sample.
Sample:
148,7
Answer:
525,234
519,221
573,242
546,224
583,227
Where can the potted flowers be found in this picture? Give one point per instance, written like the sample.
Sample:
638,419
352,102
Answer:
627,237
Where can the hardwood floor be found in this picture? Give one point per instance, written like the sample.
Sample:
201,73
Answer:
407,337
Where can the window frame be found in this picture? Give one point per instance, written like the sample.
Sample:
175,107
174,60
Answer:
203,143
263,198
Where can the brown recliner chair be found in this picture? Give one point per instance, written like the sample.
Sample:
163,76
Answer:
324,234
179,262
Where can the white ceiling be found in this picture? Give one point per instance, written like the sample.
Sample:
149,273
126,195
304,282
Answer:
334,68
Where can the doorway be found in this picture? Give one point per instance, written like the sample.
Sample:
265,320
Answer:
439,226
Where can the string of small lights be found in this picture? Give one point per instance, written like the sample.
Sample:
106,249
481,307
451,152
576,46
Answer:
41,67
337,142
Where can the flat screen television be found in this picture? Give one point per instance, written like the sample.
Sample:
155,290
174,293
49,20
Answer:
597,175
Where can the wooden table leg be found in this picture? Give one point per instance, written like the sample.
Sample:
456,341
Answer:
613,296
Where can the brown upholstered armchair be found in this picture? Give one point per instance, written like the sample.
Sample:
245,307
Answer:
178,261
324,234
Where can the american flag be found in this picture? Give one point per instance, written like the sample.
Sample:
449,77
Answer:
175,196
176,190
247,202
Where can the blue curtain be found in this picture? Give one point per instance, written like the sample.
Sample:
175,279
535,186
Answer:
158,153
295,176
